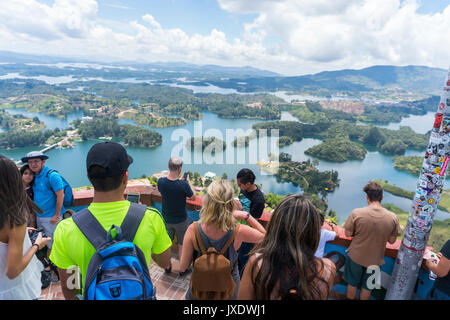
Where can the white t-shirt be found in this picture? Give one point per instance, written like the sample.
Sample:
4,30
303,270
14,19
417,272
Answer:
325,235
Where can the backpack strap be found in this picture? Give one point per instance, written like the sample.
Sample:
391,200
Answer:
90,227
199,238
230,240
132,220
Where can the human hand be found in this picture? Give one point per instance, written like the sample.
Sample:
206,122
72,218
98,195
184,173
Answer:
41,242
240,215
55,219
30,229
238,203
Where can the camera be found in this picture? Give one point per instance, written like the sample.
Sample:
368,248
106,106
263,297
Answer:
34,234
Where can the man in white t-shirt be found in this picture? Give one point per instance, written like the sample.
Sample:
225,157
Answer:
325,236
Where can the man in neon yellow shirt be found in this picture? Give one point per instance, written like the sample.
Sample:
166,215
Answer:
107,167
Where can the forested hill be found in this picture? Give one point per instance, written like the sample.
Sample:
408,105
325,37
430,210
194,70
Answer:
419,79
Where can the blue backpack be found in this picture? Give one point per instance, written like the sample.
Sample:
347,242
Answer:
118,270
68,193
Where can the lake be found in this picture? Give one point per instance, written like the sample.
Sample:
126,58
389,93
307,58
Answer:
353,175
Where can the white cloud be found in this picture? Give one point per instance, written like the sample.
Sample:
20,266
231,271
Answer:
287,36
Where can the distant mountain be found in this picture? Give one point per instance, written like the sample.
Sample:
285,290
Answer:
417,79
380,81
179,69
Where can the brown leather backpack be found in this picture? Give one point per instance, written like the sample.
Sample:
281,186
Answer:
211,278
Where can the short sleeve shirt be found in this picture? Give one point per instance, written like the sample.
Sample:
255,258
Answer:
370,228
71,248
44,196
325,236
174,193
257,202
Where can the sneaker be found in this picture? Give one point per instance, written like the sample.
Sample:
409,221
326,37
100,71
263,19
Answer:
187,271
168,270
46,279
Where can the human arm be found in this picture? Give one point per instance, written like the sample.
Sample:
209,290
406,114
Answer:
69,287
59,204
396,232
441,269
162,259
16,261
349,226
243,215
238,203
188,248
246,286
253,234
190,192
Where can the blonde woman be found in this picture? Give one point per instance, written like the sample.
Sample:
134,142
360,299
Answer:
283,265
217,223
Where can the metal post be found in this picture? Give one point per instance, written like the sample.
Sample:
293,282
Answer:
424,206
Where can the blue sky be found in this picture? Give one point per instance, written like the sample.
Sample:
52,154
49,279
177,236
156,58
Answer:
291,37
192,16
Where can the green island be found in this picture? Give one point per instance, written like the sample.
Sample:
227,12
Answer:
152,119
213,144
384,140
338,150
303,174
444,203
313,112
52,105
131,135
411,164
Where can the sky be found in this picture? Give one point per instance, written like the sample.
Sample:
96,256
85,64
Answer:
290,37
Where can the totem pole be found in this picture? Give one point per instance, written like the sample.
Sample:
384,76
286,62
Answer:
424,206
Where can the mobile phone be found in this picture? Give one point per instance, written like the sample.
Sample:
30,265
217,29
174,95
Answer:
133,197
185,176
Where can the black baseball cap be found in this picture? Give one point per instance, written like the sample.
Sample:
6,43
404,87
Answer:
109,155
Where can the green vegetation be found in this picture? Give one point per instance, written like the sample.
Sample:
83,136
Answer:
131,135
444,203
440,232
338,150
56,106
411,164
313,112
201,143
154,120
308,177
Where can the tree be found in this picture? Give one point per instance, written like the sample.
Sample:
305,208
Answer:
224,176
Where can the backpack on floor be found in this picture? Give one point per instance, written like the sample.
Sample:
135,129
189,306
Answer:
118,270
68,192
211,278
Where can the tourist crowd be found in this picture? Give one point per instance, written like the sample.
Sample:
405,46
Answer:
228,253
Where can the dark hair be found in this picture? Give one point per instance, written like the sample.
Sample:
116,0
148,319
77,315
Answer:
13,198
103,184
22,171
374,191
322,218
287,253
246,175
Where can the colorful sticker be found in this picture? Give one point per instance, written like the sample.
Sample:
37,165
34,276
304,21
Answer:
438,120
444,167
